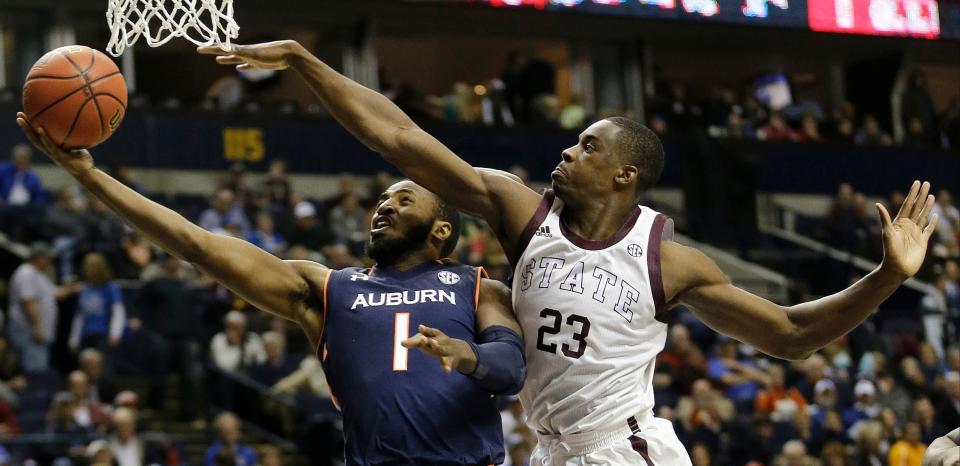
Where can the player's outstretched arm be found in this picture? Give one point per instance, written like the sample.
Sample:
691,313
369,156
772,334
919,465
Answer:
258,277
495,360
795,332
383,127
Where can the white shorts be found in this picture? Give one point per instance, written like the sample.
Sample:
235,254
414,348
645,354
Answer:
650,442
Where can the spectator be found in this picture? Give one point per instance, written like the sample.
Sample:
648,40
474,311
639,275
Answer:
99,454
924,416
948,408
776,129
700,455
308,378
65,222
917,106
127,446
228,441
916,136
777,400
844,131
833,454
277,365
12,381
871,134
101,317
574,115
867,450
680,359
87,412
738,128
494,108
866,407
739,376
224,212
348,223
892,396
913,379
950,124
908,450
235,349
948,230
277,185
61,419
307,232
19,184
266,238
33,309
101,387
809,130
271,456
794,453
704,413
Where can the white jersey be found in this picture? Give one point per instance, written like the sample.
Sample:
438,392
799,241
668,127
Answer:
589,313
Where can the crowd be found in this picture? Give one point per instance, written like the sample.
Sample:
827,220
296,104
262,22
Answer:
95,302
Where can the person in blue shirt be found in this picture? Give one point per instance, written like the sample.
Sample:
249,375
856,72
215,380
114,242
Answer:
101,317
266,237
228,438
740,378
19,185
399,406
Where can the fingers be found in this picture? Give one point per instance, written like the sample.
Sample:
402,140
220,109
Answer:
431,332
416,341
920,201
925,211
214,50
884,215
229,60
908,201
931,227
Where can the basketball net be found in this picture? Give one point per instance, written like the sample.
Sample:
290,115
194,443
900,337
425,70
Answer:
203,22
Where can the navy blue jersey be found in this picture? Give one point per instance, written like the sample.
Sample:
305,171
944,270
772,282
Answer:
398,405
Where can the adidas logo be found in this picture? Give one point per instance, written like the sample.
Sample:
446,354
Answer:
544,231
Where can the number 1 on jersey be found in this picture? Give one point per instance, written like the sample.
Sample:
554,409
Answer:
401,331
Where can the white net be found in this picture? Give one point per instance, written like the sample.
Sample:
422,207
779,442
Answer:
203,22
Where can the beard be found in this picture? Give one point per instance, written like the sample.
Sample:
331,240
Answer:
389,251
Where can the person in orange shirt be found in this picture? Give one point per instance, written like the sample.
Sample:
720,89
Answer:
776,400
908,451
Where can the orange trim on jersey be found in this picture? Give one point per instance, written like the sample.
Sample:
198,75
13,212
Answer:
481,273
323,325
325,353
370,272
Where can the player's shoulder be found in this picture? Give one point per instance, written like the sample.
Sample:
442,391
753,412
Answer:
684,266
494,290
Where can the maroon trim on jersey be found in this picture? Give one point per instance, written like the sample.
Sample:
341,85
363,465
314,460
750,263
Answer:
640,446
653,266
546,202
596,245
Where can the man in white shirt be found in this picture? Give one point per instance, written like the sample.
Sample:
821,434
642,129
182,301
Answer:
33,309
235,348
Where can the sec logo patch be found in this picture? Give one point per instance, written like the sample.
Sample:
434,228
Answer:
635,250
448,278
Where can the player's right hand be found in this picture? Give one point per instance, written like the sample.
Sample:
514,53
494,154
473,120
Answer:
265,56
453,353
74,162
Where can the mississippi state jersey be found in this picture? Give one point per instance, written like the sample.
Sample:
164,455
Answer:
589,314
398,405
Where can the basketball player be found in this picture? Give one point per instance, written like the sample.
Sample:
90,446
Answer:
398,407
595,273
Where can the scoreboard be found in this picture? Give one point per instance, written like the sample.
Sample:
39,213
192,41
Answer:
905,18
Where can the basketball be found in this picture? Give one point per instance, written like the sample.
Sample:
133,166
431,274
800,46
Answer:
77,95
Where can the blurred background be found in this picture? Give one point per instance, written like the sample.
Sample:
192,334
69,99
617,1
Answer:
783,121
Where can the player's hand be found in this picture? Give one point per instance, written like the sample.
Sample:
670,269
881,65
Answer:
74,162
905,237
265,56
453,353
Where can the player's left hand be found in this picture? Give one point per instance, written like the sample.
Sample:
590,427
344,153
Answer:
265,56
453,353
905,237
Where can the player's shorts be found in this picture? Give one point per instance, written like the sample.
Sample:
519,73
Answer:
642,441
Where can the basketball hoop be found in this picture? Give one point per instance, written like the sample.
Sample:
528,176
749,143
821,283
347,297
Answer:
203,22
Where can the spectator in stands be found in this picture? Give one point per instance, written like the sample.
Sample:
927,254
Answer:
99,453
950,125
916,105
913,379
102,387
924,416
127,446
809,129
87,412
19,184
574,115
224,212
844,131
776,129
948,406
307,232
794,453
277,184
308,378
101,316
278,364
892,396
270,456
65,223
12,381
266,237
777,400
235,349
871,134
739,128
833,454
61,419
866,407
908,450
33,309
868,444
228,439
916,136
348,223
704,413
738,375
104,232
9,428
948,230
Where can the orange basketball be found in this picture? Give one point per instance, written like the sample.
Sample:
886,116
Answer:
77,95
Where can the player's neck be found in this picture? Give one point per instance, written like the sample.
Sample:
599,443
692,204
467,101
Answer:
408,261
598,219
